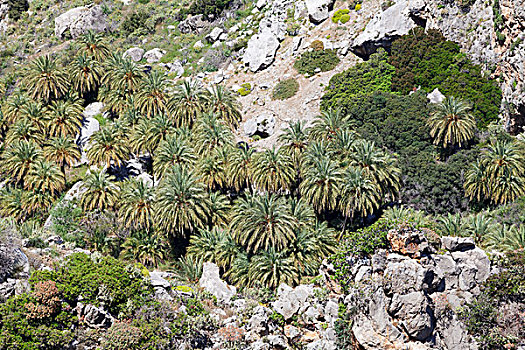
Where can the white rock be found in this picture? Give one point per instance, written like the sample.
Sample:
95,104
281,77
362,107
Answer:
214,35
212,283
318,10
261,50
198,45
79,20
154,55
135,53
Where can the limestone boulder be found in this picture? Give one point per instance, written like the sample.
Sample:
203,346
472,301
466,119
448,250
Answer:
261,50
80,20
212,283
135,53
318,10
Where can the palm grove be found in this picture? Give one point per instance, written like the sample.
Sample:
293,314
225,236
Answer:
264,216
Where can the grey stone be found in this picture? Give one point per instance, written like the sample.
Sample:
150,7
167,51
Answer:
415,313
157,280
322,344
212,283
93,316
154,55
198,45
406,275
318,10
258,322
331,311
261,50
291,299
278,341
260,4
435,96
79,20
395,21
214,35
193,24
454,244
135,53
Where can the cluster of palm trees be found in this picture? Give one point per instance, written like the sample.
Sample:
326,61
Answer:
256,214
498,176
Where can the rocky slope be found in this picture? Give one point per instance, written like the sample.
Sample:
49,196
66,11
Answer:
404,297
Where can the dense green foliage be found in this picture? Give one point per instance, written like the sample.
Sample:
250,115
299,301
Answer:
16,8
427,60
285,89
207,7
310,61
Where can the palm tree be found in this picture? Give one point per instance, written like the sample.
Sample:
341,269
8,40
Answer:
328,124
315,151
85,73
18,159
14,106
181,202
35,112
273,170
212,171
188,269
451,225
172,151
188,101
219,206
44,176
100,192
507,188
295,140
262,222
64,118
239,273
126,76
359,194
206,245
44,80
36,202
477,182
148,134
223,103
377,166
107,147
480,226
210,133
12,203
148,249
240,166
117,100
405,214
515,239
93,45
63,151
24,130
302,211
452,123
311,246
322,184
272,268
136,204
152,97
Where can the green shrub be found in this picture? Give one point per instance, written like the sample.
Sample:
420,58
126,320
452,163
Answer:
336,18
245,89
364,78
345,18
357,8
325,60
285,89
207,7
135,21
16,8
428,60
108,280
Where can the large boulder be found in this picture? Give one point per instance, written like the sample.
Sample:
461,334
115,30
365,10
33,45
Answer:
261,50
263,125
212,283
289,300
193,24
135,53
90,125
154,55
214,35
318,10
80,20
415,312
395,21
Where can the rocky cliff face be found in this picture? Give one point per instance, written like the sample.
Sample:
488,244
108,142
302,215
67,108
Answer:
491,34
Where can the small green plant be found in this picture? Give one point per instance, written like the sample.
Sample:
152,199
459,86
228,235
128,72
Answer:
245,89
357,8
337,17
312,61
285,89
101,119
277,318
317,45
345,18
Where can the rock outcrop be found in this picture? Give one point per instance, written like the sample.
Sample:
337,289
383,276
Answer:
79,20
318,10
261,50
212,283
135,53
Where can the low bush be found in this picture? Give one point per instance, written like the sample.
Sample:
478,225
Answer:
285,89
207,7
135,21
310,61
338,15
105,280
16,8
245,89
